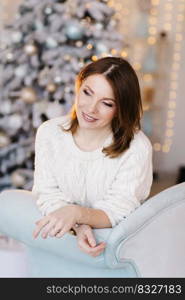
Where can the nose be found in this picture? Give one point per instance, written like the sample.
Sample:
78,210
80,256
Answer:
92,107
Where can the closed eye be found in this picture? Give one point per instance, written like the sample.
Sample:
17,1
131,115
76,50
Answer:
107,104
85,92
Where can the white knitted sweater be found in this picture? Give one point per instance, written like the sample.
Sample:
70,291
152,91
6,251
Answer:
64,174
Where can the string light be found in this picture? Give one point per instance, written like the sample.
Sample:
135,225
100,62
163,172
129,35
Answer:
122,15
175,66
153,21
169,21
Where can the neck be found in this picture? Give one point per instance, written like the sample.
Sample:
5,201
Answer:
92,136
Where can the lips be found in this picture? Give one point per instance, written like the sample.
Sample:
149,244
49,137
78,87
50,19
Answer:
88,118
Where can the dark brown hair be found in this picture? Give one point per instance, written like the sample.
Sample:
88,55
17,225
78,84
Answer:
125,85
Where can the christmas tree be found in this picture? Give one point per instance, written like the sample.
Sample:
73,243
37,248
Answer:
47,45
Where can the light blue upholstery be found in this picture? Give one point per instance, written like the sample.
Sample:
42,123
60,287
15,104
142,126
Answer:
148,243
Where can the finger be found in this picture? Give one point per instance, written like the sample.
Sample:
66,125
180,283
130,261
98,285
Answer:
38,221
48,228
84,245
58,227
63,231
99,249
98,252
39,227
91,239
91,251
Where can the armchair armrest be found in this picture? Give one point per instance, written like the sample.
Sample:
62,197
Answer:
152,238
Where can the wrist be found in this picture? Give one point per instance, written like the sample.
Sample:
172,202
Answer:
82,214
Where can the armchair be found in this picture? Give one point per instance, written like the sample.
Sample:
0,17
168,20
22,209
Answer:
150,242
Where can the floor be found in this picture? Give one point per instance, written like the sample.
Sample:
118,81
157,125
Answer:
162,182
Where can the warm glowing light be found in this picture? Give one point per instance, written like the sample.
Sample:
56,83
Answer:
165,148
173,95
152,30
151,40
170,123
172,104
147,77
169,132
180,18
152,20
168,6
167,26
178,37
157,147
146,107
177,56
114,51
181,7
89,46
155,2
171,114
137,66
111,3
174,85
174,76
124,54
94,58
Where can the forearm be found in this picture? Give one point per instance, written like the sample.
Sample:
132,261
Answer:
96,218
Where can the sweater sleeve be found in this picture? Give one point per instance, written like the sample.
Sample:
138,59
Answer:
49,196
130,187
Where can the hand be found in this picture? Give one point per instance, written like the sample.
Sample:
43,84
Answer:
58,222
87,242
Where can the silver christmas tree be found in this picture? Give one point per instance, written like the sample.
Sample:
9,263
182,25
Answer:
47,45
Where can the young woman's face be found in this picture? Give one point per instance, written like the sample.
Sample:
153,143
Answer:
95,103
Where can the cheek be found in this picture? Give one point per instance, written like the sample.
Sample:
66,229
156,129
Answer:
80,101
109,114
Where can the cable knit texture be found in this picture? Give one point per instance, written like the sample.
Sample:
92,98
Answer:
64,174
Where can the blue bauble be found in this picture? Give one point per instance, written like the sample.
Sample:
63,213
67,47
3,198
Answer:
101,48
74,31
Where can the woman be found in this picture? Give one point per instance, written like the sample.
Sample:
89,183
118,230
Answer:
93,166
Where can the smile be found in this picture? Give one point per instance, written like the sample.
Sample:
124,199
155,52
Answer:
88,118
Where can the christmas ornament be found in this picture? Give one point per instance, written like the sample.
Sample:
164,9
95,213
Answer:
48,10
15,121
17,179
51,87
16,37
51,43
6,107
58,79
30,49
21,71
9,57
4,140
74,31
101,48
38,26
28,95
79,43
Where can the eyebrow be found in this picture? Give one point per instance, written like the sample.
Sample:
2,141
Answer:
105,98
